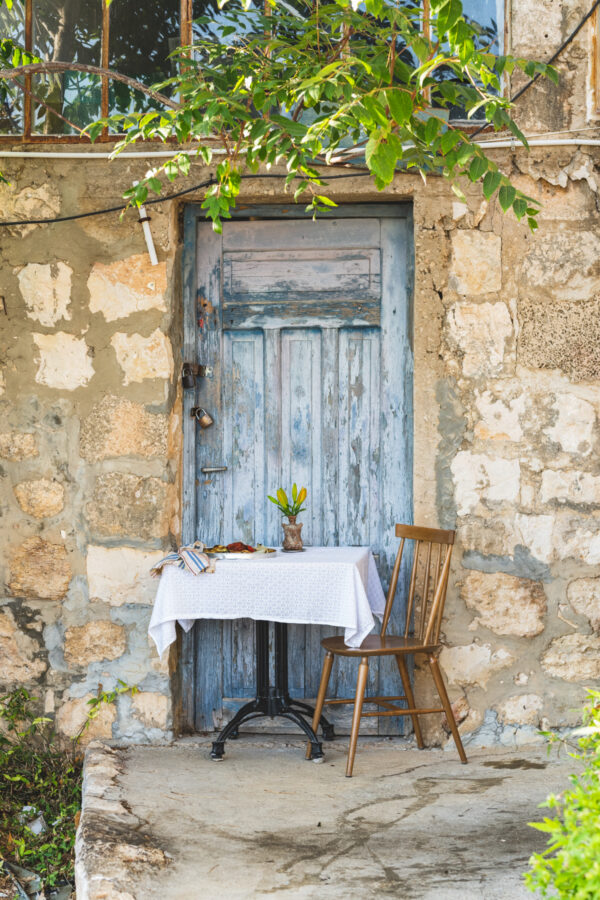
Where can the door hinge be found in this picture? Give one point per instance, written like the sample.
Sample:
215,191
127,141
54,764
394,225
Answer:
191,371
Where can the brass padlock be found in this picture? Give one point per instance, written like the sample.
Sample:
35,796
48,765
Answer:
204,419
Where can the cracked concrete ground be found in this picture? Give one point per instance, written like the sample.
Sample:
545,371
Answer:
169,823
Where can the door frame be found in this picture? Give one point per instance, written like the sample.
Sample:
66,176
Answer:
187,681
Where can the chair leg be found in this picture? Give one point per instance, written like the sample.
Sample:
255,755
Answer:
441,689
325,674
361,685
408,693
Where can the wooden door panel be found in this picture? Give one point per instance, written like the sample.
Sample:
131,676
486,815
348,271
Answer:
243,436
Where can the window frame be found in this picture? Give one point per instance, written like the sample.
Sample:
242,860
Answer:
28,135
186,37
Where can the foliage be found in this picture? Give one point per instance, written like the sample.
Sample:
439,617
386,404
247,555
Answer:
38,774
302,85
570,865
288,508
36,771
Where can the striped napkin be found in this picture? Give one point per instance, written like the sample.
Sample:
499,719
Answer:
190,558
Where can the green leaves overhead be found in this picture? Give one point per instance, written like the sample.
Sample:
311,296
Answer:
296,91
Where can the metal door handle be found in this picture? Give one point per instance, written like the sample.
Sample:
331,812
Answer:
208,469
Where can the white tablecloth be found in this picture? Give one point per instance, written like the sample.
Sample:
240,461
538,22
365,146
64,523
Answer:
336,586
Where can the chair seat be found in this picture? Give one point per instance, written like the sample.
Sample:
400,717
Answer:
375,645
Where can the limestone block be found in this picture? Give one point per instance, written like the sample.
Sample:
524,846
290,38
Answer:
42,201
129,505
568,486
93,642
577,538
537,534
119,575
574,657
499,420
118,427
480,332
143,357
564,334
18,445
531,38
476,262
506,604
18,661
574,426
39,570
480,477
561,264
488,535
152,708
474,663
127,286
460,710
46,290
521,709
71,717
41,497
584,596
64,363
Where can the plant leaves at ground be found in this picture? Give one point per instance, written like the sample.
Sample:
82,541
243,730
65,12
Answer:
35,772
570,865
44,776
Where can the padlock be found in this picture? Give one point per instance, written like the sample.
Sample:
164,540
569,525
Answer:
204,419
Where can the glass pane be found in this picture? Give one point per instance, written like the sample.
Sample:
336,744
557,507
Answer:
209,19
489,15
12,26
67,30
142,35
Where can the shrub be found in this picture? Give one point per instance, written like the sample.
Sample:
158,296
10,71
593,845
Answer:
570,865
38,774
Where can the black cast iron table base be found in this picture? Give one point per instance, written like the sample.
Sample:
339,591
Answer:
274,700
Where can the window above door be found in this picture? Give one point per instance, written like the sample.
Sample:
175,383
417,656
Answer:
134,38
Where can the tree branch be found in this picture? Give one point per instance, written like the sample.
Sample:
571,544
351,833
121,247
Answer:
48,67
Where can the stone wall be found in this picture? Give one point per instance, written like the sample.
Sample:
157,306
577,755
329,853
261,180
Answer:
89,446
507,372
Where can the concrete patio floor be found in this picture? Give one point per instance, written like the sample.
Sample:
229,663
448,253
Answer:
169,823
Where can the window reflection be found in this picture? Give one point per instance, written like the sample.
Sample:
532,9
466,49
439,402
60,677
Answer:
66,30
142,35
12,24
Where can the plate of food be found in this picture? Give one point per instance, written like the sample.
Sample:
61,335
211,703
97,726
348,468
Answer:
238,550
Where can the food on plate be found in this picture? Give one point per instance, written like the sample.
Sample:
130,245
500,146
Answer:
239,547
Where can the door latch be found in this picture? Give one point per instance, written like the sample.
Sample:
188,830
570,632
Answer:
191,371
208,470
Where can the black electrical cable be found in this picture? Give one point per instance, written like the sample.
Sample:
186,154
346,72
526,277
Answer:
190,190
549,62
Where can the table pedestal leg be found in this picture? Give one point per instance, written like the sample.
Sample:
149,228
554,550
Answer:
273,700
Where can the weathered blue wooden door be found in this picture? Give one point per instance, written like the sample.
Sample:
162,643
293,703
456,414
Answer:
306,328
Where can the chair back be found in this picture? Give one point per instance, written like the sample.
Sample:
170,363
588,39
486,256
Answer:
428,581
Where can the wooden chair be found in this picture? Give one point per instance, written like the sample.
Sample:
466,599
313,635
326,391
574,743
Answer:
424,610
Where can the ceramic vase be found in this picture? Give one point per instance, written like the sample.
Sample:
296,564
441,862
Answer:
292,539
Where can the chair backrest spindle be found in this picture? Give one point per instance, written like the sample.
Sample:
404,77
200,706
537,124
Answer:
428,581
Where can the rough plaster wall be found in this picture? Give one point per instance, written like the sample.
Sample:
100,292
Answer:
507,371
